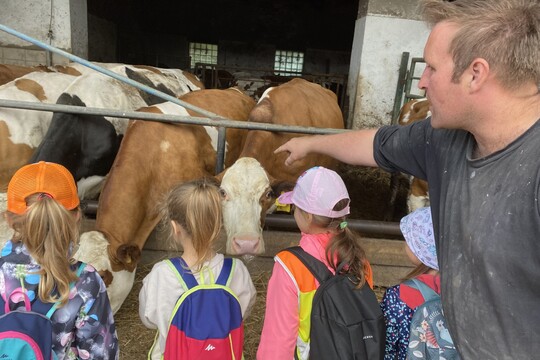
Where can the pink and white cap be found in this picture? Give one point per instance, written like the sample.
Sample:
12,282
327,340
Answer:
317,191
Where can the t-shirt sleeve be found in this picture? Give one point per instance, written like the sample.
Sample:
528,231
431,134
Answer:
158,295
403,148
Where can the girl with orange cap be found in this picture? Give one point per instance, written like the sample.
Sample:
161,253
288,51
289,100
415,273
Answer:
36,265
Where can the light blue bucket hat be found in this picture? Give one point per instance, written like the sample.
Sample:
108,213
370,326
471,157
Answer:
417,229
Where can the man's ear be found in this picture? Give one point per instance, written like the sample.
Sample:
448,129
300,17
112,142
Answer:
479,72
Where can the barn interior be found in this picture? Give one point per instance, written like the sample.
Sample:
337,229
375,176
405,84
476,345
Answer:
159,34
247,35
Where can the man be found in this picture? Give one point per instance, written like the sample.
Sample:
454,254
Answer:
480,153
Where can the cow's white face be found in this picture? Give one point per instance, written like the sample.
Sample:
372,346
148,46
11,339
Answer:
93,250
248,195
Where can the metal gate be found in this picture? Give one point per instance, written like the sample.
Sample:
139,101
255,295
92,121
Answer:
254,81
407,78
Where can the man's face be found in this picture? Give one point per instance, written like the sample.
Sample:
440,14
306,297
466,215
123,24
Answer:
446,97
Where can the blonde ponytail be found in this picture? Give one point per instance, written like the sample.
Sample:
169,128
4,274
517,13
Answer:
49,231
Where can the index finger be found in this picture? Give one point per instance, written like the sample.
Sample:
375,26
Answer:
280,149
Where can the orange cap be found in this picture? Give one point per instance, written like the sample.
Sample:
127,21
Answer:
42,177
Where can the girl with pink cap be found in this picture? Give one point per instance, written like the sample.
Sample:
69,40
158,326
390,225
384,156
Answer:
321,205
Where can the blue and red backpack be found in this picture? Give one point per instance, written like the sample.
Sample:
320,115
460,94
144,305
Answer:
207,319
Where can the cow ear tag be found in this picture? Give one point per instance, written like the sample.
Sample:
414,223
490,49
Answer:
283,207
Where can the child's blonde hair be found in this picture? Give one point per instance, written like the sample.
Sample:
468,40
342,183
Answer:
344,246
49,231
196,206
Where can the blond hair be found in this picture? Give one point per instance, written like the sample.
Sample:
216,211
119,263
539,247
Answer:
49,231
196,206
344,247
506,33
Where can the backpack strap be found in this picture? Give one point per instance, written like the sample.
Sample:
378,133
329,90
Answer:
317,268
226,272
186,277
179,266
427,292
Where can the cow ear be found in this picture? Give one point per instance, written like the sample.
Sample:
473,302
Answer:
279,186
219,177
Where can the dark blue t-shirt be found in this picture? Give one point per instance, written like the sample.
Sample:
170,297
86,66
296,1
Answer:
486,217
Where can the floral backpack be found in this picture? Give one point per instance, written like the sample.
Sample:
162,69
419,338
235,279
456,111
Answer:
429,336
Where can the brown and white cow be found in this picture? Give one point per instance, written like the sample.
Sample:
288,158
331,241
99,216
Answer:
251,184
152,157
415,110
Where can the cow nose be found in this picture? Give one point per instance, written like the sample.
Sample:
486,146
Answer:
245,244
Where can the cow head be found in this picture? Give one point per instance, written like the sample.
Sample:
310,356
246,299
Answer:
249,194
94,250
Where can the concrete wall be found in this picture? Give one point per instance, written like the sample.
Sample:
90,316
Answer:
62,25
384,30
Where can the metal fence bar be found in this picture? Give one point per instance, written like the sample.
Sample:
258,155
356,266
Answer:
166,118
282,221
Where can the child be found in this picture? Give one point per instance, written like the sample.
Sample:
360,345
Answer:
321,204
43,210
399,301
193,210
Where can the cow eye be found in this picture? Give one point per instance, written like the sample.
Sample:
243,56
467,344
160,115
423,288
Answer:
269,194
223,193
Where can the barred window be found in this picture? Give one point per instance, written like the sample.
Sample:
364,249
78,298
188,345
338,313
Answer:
291,62
203,53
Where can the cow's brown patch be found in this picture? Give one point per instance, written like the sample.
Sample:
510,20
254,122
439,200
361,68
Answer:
67,70
194,79
12,156
11,72
32,87
149,68
106,276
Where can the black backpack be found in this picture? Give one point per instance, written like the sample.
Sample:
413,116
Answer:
346,322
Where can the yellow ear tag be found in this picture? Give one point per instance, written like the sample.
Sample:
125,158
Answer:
283,207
